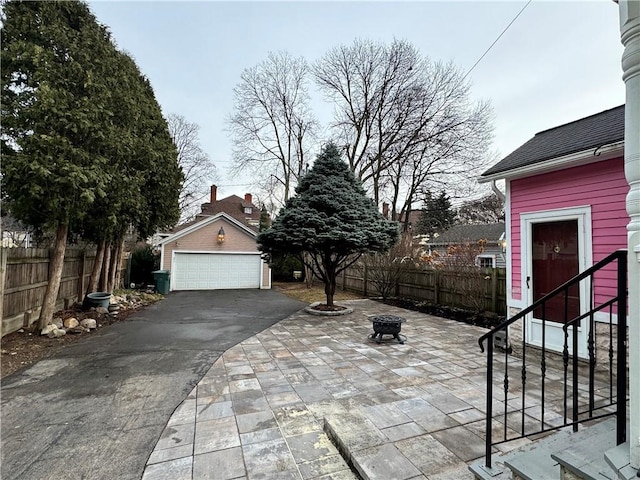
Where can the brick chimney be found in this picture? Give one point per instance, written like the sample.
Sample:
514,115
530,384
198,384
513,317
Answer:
385,210
214,192
248,198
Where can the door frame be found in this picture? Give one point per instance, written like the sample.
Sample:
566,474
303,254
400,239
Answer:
585,259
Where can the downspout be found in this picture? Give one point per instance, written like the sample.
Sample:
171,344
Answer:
497,191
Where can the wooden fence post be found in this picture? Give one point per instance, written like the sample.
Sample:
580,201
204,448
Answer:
364,280
81,280
3,271
494,290
436,286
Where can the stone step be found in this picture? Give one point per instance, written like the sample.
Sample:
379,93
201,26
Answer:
367,451
618,459
585,459
535,461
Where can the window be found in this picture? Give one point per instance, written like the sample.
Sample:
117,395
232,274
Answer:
486,261
248,210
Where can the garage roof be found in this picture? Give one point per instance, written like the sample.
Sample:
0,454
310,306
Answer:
591,132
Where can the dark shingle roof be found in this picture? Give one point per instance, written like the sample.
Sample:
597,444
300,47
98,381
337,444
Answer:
590,132
470,233
233,206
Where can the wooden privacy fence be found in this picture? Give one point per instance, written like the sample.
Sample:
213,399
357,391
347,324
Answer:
477,289
24,276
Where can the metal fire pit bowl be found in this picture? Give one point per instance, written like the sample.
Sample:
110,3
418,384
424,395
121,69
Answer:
387,325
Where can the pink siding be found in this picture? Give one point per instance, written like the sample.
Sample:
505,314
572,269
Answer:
601,185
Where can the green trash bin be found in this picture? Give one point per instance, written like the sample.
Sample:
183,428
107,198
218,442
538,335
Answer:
161,279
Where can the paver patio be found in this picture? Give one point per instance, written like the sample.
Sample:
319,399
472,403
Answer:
263,409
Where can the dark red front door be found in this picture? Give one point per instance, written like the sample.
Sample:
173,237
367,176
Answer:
555,260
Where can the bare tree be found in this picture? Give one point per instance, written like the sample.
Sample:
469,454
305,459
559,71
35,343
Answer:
403,120
385,271
487,209
461,272
198,169
271,125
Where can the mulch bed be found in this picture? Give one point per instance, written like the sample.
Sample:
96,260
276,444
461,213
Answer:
452,313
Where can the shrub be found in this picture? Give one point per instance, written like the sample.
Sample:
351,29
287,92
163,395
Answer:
283,266
143,262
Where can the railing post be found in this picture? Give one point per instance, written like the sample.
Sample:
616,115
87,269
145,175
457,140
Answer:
621,368
489,439
574,348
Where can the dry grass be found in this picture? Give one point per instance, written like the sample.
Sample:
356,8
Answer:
299,291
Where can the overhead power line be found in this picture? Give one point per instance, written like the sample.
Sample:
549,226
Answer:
496,40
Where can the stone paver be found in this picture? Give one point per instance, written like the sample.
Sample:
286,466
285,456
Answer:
271,406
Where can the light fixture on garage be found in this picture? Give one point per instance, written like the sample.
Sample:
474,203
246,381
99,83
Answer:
221,235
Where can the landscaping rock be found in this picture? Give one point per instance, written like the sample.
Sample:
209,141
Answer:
58,332
102,310
57,322
71,322
89,323
48,329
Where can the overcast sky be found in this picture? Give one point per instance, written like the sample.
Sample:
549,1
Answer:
558,62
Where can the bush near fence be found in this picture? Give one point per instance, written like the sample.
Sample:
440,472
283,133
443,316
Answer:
439,287
24,276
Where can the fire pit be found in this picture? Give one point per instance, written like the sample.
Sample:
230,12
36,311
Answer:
387,325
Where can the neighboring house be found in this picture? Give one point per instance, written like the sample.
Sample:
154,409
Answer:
14,234
487,241
414,217
216,250
565,210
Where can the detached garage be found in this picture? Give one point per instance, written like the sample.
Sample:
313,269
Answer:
217,252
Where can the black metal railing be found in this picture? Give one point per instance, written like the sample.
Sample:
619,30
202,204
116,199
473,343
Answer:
537,410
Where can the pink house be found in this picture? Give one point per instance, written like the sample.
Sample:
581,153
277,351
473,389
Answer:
565,210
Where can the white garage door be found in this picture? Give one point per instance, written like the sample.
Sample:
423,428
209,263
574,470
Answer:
211,271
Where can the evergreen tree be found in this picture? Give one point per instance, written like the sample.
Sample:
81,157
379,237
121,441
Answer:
331,219
265,219
54,106
144,168
437,214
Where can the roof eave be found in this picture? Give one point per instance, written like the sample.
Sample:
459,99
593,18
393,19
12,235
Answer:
583,157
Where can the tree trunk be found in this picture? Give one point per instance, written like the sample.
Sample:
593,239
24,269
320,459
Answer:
55,275
308,271
114,267
308,276
330,287
106,262
120,256
97,268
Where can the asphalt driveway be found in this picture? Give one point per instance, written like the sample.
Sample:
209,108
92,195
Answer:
96,409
